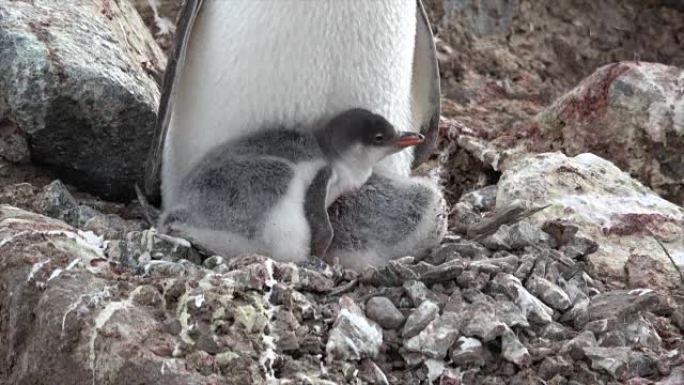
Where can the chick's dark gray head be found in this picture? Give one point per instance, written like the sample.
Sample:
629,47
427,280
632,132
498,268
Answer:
359,127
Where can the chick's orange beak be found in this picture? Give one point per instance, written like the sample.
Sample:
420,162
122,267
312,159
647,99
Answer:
407,139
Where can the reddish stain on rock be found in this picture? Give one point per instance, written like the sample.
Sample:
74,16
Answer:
645,224
644,271
593,100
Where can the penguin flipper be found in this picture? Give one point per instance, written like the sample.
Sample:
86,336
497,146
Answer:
186,19
317,214
425,89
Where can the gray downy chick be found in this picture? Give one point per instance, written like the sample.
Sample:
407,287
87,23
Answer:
388,218
268,192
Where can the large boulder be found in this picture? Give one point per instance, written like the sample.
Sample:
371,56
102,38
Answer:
625,218
629,113
78,83
70,316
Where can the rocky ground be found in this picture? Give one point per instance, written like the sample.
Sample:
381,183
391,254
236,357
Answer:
562,265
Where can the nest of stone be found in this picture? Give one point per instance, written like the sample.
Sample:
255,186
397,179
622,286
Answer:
502,302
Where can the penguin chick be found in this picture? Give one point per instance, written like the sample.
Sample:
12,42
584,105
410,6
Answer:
390,217
268,192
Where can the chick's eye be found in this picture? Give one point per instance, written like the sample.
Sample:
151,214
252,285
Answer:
379,138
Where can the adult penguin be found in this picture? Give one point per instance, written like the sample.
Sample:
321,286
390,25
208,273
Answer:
240,66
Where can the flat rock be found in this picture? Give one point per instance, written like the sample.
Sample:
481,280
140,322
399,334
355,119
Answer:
609,207
622,304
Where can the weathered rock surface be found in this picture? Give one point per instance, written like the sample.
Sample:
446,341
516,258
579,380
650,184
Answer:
78,83
617,212
249,319
160,17
109,326
353,336
629,113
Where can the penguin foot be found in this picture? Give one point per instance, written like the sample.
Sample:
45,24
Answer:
389,218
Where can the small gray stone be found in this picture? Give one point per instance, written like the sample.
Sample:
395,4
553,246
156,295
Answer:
510,313
502,261
621,304
213,261
551,366
163,269
638,333
468,249
468,351
443,253
353,336
444,272
576,288
527,263
383,311
561,231
472,279
533,308
372,374
500,240
57,202
523,234
482,199
418,292
600,326
109,226
480,321
621,362
313,281
578,346
548,292
557,332
579,247
435,340
138,248
462,216
420,318
395,273
513,350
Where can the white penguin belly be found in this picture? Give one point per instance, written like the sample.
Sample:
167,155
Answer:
257,64
286,233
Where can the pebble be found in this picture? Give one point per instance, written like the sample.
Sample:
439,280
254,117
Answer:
383,311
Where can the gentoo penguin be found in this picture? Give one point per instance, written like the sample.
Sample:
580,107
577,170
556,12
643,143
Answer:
241,66
390,218
268,192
